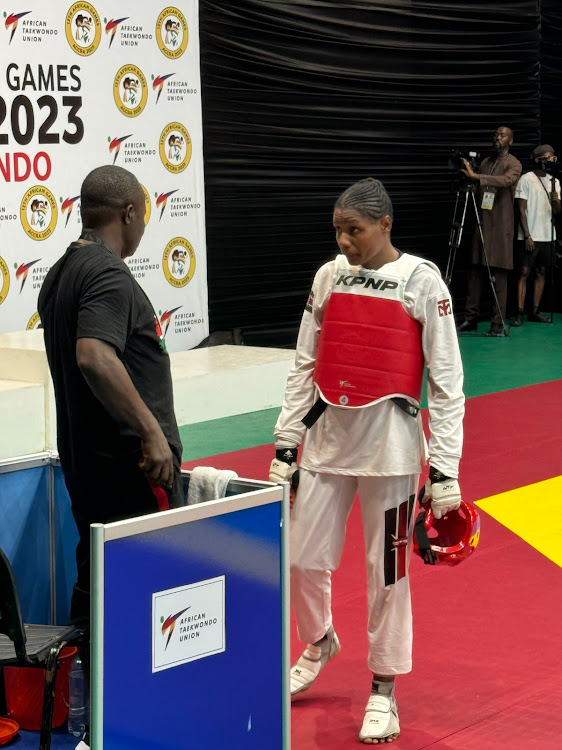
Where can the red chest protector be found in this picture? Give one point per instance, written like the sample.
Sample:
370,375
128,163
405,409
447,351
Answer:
369,348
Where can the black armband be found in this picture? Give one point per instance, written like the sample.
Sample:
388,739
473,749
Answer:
437,476
287,455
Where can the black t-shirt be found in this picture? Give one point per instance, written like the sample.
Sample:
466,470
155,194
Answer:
90,293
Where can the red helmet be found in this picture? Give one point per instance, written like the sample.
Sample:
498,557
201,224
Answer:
449,540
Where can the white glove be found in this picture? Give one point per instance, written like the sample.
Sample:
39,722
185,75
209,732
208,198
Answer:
284,466
445,494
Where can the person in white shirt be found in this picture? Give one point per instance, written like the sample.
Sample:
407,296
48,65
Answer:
374,319
538,198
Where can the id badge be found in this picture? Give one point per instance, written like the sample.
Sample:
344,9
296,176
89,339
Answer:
488,198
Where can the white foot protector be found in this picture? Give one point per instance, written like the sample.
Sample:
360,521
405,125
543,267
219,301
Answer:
312,661
381,719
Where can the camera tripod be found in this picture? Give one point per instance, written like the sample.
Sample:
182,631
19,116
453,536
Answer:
456,237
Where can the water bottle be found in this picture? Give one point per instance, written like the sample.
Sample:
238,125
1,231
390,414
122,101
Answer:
77,718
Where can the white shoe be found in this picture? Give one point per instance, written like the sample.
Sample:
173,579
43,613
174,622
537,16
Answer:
312,660
381,720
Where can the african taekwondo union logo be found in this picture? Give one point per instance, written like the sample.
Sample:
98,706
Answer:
11,22
188,623
165,320
169,624
111,27
158,84
66,207
35,28
115,145
22,271
162,200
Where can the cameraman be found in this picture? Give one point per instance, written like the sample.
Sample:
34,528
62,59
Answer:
497,177
538,199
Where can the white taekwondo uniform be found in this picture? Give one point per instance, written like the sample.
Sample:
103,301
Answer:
375,447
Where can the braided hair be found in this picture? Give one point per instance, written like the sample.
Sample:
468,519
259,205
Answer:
368,197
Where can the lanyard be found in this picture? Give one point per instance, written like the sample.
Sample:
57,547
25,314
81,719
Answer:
496,163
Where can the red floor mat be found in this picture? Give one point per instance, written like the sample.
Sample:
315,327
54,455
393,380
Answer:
487,652
486,639
512,438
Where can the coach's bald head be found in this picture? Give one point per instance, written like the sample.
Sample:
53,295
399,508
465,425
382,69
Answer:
112,206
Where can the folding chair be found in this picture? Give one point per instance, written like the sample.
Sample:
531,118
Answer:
30,645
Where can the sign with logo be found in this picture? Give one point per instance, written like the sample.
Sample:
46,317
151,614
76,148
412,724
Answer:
147,205
88,85
83,28
39,213
34,322
4,280
188,623
22,271
172,33
130,91
175,147
178,262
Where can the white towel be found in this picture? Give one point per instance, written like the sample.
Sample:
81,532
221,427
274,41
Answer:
207,483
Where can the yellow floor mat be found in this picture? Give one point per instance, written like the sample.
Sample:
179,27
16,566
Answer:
534,513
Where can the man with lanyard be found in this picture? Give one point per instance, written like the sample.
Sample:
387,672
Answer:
117,436
497,177
538,200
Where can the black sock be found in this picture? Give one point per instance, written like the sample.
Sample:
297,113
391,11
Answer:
378,687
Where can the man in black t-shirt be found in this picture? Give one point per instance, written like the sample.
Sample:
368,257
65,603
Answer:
118,440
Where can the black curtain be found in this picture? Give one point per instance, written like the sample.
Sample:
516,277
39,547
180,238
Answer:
551,73
300,99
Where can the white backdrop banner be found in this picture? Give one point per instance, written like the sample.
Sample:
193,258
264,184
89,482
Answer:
87,84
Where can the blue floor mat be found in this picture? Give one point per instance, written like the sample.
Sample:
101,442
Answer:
61,740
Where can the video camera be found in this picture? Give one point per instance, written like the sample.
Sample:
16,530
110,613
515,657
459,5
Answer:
456,160
552,167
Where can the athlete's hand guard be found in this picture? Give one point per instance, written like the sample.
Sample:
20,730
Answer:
284,467
444,493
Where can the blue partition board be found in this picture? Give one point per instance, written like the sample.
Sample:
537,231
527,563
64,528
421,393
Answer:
24,537
66,539
231,699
